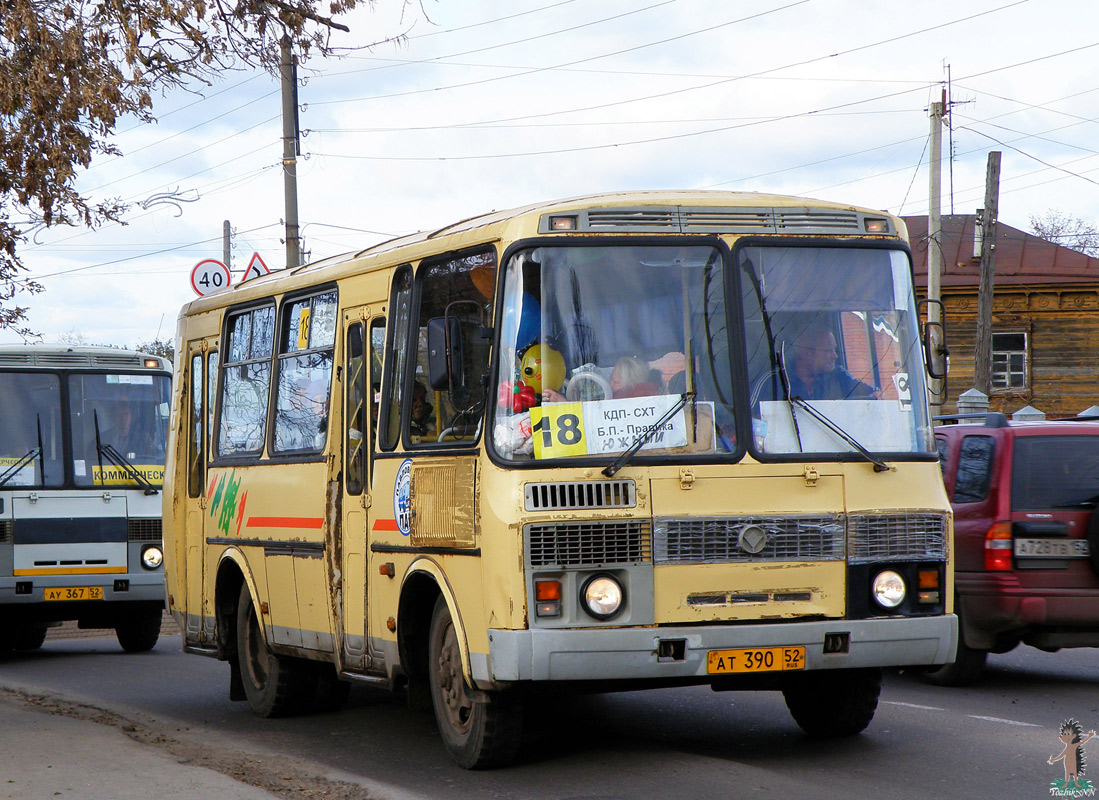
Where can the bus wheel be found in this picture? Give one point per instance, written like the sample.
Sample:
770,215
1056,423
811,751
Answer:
140,630
834,702
966,668
276,686
331,692
28,638
479,729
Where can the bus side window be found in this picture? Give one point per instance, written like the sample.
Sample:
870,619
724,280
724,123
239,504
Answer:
355,435
389,420
377,356
244,393
194,450
460,291
306,344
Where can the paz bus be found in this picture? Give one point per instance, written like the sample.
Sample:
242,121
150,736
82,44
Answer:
82,442
567,446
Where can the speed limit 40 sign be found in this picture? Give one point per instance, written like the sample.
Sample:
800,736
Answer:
209,276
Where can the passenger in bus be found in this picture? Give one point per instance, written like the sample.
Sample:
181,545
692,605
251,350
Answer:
423,420
814,373
632,377
122,432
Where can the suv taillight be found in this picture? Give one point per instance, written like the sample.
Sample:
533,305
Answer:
998,547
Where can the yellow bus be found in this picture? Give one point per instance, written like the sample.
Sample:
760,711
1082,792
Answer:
614,442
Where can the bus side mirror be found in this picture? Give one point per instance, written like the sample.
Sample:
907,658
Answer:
444,353
934,343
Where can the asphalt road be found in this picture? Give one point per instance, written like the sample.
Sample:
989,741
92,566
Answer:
991,740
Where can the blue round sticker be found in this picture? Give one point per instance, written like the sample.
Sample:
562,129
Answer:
402,497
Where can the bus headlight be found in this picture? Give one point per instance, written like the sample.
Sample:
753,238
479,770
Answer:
602,596
152,557
888,589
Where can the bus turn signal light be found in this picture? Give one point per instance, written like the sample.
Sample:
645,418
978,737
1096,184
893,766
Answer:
998,547
547,595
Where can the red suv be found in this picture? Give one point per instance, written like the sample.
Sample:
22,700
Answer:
1026,541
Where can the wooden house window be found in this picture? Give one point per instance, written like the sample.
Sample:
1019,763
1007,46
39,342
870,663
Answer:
1009,361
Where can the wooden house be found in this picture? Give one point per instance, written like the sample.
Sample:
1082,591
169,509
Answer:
1045,316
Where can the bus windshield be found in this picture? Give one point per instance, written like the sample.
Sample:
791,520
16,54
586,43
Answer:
128,413
833,351
600,343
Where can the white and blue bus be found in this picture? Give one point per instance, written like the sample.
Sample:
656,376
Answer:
82,440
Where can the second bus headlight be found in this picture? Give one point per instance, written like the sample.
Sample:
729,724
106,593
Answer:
602,596
152,557
888,589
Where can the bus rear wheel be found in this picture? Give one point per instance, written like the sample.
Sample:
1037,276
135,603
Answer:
479,729
26,639
276,686
140,630
833,703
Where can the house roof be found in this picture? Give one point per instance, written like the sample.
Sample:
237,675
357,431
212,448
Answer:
1021,258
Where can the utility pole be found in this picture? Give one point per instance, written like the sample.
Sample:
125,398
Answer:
934,234
982,372
226,250
288,69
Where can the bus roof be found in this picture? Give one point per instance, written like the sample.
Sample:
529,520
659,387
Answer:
640,212
68,356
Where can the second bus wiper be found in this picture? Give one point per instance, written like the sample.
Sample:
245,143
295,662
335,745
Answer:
879,465
644,436
15,468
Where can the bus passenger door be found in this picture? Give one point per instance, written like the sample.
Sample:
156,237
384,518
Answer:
201,370
364,330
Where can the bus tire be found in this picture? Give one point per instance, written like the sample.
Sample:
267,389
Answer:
140,630
481,730
966,668
276,686
833,703
26,639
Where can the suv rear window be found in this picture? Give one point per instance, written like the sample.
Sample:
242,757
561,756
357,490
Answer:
1054,472
974,469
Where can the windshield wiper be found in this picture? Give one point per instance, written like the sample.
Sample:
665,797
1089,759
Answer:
15,468
28,457
644,436
879,465
117,459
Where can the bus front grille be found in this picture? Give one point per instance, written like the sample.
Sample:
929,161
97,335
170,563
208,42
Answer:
144,530
580,494
896,537
588,543
746,539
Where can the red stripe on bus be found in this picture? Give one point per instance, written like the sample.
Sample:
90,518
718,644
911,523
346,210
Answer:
385,525
285,522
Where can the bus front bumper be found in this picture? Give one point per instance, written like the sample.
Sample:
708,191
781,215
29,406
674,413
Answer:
635,653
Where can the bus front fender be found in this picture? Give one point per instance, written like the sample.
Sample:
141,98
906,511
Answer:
425,568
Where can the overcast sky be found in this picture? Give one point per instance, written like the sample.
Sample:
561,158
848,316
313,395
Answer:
489,104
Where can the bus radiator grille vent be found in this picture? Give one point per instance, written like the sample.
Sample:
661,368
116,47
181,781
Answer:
816,221
702,540
569,544
7,528
580,494
716,219
914,536
144,530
